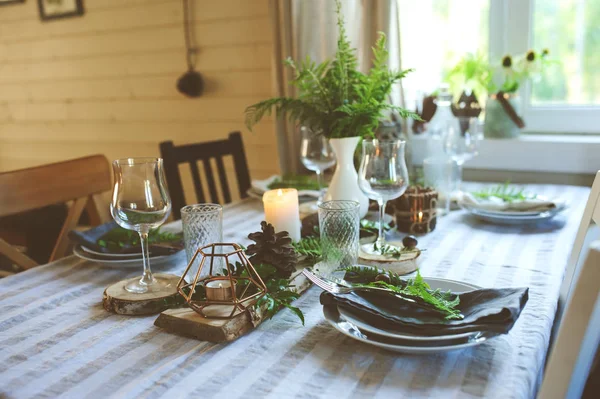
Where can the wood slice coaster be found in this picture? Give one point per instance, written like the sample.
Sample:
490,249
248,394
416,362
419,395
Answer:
407,263
188,323
117,300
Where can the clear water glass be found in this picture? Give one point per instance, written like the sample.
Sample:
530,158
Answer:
141,202
202,225
442,175
316,153
383,175
463,146
339,225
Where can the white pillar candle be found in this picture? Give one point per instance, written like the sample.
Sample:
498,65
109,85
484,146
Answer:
281,210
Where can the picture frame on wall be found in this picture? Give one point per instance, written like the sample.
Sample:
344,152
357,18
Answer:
55,9
7,2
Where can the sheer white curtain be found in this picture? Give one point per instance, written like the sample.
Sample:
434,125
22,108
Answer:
308,27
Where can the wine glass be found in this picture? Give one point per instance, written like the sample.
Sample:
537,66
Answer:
140,202
460,146
316,154
383,175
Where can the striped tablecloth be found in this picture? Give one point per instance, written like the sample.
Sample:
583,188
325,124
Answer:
57,341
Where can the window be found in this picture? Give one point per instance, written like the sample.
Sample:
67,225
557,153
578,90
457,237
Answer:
435,34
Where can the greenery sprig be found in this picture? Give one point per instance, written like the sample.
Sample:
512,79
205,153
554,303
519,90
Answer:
504,192
310,248
394,252
279,294
443,301
119,238
334,98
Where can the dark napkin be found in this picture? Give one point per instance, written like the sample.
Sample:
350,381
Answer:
486,310
89,239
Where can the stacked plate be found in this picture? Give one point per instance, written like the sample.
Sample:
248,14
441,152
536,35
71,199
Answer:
351,324
131,260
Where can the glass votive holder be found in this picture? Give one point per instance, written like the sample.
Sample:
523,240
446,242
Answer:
202,225
339,225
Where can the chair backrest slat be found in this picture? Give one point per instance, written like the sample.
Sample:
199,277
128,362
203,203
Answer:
197,182
212,187
27,189
223,180
241,164
77,180
192,153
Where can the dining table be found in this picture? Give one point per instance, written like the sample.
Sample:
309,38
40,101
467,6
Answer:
57,341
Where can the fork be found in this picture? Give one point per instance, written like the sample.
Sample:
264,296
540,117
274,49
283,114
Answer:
337,288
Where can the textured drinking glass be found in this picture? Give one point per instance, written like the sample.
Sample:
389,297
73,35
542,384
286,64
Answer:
140,202
383,175
339,227
202,225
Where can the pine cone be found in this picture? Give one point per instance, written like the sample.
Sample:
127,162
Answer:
272,248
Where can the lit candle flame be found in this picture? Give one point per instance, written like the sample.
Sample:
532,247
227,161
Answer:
420,216
279,193
220,285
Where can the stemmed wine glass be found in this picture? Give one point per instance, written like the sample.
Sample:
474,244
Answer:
140,202
316,154
383,175
462,146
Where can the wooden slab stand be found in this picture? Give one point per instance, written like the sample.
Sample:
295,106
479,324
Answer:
117,300
186,322
407,263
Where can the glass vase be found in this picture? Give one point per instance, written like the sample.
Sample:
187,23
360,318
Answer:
498,124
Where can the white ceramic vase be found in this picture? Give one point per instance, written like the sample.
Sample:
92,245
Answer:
344,184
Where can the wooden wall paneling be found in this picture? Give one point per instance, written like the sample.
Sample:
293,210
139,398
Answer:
151,39
236,84
172,61
106,82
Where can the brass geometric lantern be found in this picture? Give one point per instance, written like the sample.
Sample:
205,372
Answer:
221,296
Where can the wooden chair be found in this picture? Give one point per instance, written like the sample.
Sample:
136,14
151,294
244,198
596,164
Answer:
78,180
578,337
591,213
191,153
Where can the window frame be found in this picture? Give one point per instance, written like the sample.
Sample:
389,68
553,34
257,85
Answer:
518,14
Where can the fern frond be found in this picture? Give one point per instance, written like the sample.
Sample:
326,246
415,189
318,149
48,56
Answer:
295,109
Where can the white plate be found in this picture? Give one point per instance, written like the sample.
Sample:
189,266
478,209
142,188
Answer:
443,285
559,208
410,345
499,218
157,261
110,255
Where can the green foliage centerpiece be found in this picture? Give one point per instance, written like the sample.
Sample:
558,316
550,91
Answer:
334,97
339,101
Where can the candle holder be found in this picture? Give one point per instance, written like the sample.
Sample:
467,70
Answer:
221,296
416,211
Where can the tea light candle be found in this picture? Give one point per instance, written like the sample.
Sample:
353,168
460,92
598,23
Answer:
218,290
281,210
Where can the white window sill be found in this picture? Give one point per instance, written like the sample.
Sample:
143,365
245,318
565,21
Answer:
533,153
